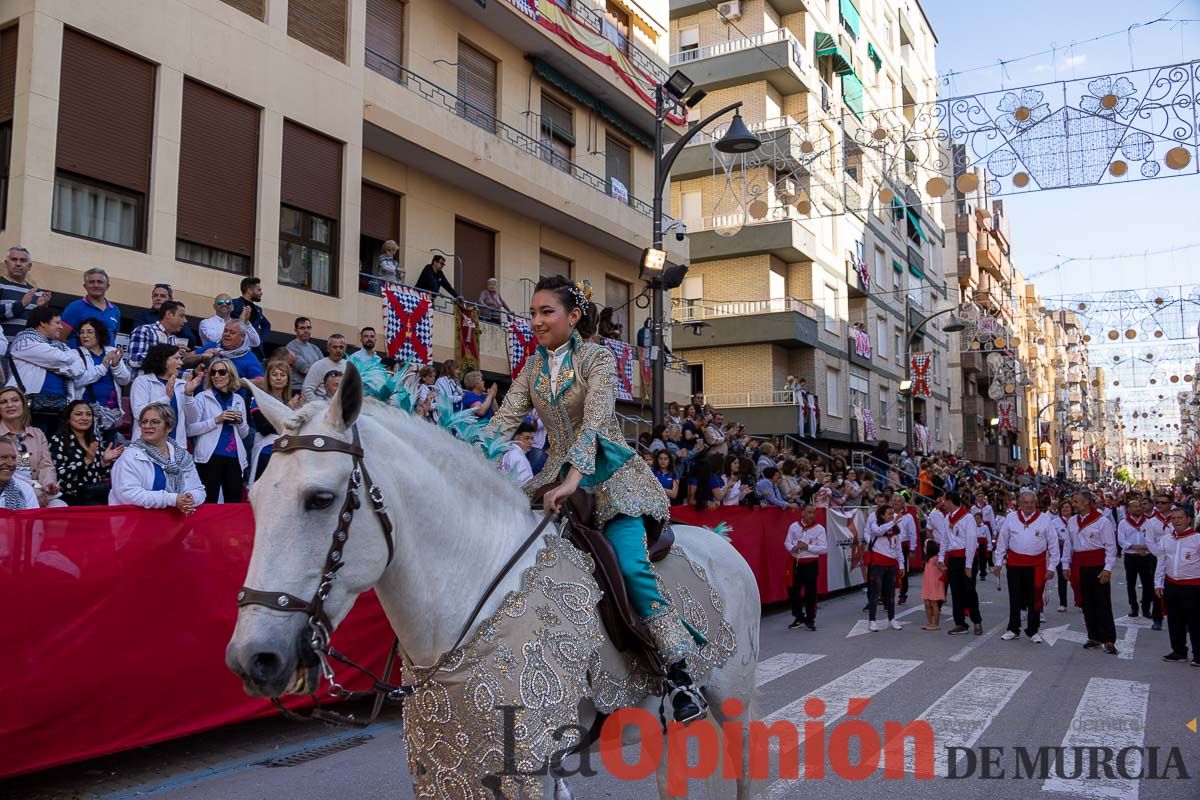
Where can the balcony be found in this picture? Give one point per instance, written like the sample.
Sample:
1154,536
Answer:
967,271
858,288
783,141
965,223
915,259
684,8
414,121
855,353
784,320
535,27
987,253
781,233
776,56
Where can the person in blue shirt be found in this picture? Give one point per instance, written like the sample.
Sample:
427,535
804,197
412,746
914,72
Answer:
768,490
664,470
94,303
233,347
483,403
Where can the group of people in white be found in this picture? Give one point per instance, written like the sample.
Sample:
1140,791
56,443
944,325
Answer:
1080,544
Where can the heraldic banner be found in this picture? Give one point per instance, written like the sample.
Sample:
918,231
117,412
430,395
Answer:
466,338
521,344
408,323
920,363
624,355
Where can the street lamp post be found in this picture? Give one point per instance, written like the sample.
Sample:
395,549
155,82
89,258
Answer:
738,139
910,333
995,425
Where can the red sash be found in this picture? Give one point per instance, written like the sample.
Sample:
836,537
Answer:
880,560
1081,559
1038,563
960,553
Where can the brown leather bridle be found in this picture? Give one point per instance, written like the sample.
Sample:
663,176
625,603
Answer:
319,625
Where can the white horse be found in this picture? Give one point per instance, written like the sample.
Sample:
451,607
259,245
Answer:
457,521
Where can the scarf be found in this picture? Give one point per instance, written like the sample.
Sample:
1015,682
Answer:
235,353
30,336
11,497
173,468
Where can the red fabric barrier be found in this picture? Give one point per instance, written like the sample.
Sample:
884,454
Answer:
113,630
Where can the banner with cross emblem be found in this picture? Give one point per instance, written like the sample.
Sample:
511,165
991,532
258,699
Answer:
920,363
521,344
623,353
407,323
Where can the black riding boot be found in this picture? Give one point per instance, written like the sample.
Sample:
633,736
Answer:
687,703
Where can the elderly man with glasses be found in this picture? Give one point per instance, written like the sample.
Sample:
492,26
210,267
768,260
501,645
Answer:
213,327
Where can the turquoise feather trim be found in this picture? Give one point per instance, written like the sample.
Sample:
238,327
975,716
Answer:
723,530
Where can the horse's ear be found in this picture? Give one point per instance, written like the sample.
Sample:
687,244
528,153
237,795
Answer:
276,411
347,401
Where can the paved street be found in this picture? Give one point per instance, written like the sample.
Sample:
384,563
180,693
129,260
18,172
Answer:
975,691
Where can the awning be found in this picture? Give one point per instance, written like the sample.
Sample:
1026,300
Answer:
873,54
641,19
897,208
852,94
915,270
826,46
586,98
914,222
896,265
850,17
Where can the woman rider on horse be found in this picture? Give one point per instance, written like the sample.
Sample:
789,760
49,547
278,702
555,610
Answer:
572,384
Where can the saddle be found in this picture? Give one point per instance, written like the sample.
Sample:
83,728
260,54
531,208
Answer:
623,624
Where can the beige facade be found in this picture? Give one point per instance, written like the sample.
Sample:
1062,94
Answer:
775,286
401,127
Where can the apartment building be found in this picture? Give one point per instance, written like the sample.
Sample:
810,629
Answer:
795,260
197,142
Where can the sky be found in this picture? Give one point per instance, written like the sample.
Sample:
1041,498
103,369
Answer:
1139,217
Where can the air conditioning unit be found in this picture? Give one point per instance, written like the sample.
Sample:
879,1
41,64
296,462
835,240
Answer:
730,10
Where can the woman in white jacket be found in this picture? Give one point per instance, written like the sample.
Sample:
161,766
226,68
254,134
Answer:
160,370
218,420
47,367
104,389
155,472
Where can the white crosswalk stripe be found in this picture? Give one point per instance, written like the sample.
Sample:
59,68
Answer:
1111,714
961,715
866,681
777,666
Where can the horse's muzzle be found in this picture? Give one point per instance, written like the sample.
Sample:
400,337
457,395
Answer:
269,670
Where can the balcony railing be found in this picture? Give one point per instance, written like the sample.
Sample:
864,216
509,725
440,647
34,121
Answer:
735,45
485,120
697,310
735,220
751,399
766,126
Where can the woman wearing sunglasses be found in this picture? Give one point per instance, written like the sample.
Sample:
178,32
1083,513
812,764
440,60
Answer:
218,420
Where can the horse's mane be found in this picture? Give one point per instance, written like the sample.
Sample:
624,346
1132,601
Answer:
461,461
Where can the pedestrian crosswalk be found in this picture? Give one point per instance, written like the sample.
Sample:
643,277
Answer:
1106,713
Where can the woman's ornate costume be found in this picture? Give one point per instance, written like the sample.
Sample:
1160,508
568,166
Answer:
574,391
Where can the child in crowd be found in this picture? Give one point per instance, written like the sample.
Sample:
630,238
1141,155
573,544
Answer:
933,591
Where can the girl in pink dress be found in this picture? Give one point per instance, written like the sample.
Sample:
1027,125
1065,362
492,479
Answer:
933,590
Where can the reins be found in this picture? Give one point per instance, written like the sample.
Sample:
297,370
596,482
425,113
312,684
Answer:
319,625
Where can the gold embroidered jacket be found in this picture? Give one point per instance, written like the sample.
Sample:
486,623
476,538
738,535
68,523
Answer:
582,430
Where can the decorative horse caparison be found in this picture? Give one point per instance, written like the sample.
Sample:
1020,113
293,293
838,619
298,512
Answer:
536,645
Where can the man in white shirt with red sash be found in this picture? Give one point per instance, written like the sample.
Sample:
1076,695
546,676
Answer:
1091,551
908,540
1177,584
956,555
1028,546
1157,524
1135,535
806,542
987,531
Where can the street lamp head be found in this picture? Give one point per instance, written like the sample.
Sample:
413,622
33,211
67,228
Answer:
995,422
678,85
738,139
905,386
955,325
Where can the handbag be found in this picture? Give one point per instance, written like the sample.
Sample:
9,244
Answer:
39,402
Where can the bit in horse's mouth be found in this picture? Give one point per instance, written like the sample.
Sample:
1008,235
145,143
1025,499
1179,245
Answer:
299,683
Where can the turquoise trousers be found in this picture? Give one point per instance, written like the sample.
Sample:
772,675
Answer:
628,538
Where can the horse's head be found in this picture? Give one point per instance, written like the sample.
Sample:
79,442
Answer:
298,504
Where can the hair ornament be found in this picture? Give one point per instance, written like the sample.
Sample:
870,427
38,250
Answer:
582,292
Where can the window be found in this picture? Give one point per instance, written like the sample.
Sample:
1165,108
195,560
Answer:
550,264
102,171
320,24
385,29
831,308
8,81
887,30
860,388
691,209
616,296
618,169
833,398
884,407
937,422
881,337
692,293
557,133
697,373
306,248
615,25
310,208
476,87
475,251
689,43
901,415
897,341
881,270
252,7
218,180
379,222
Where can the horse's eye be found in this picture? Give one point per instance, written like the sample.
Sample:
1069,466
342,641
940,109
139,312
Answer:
318,501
